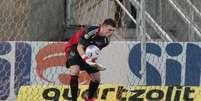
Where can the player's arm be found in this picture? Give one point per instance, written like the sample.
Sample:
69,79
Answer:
80,49
83,42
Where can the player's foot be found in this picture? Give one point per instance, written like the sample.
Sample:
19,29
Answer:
85,97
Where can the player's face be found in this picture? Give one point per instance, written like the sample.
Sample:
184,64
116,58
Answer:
108,31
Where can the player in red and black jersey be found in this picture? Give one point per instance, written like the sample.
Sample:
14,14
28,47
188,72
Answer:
77,60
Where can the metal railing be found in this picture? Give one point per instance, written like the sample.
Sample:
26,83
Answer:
192,24
122,6
194,8
153,23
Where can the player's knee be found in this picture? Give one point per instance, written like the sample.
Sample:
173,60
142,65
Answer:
96,80
95,77
75,70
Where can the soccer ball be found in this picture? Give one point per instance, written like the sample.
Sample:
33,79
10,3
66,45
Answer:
93,52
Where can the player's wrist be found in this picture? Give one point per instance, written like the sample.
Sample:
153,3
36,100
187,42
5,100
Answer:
85,57
88,60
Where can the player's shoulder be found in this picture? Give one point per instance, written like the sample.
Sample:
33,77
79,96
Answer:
89,28
91,31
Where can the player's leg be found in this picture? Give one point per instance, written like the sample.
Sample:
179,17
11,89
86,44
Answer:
73,62
94,83
93,86
74,81
95,76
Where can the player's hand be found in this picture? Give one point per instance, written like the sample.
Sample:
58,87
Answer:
88,60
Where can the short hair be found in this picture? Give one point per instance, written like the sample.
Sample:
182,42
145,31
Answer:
110,22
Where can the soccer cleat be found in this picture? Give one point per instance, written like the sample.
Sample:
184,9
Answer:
85,97
91,100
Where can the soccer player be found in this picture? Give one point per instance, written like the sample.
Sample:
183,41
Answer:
77,60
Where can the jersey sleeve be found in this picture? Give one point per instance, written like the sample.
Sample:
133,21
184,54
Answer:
88,35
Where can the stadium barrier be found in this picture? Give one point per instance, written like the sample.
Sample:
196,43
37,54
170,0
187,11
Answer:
40,63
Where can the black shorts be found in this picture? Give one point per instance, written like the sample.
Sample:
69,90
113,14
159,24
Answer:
75,59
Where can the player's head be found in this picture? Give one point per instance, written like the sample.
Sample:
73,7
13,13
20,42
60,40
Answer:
108,27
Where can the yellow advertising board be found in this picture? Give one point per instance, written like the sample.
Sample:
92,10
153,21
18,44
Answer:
109,92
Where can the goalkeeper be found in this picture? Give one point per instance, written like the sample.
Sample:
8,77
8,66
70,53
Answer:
77,60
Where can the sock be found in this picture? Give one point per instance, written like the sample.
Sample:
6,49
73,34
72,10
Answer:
74,87
93,86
